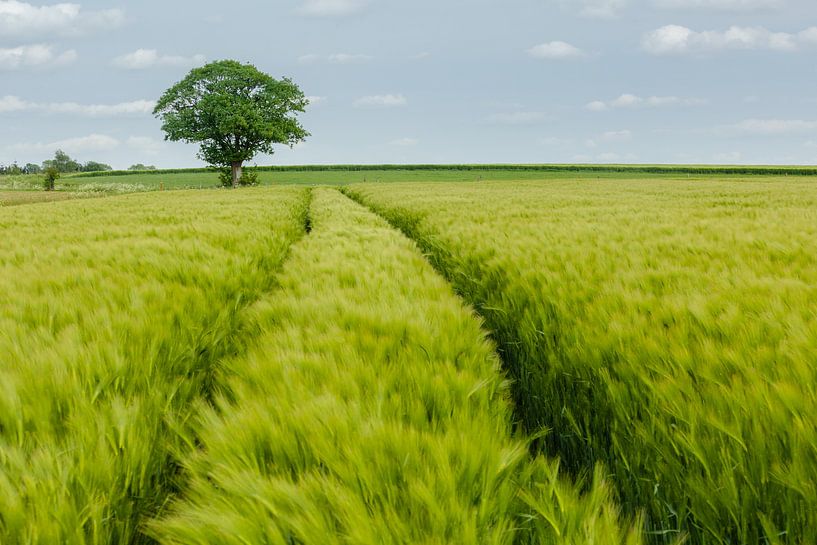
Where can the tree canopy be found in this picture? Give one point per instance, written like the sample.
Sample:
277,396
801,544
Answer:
233,111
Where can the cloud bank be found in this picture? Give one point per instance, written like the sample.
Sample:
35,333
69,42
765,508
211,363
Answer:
142,59
21,20
680,40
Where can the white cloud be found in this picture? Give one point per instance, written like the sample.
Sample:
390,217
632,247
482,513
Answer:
556,50
630,101
144,145
16,104
600,9
626,101
772,126
335,58
617,136
404,142
92,142
12,104
677,40
381,101
149,58
21,20
724,5
808,36
518,118
331,8
100,110
315,100
346,58
34,56
309,58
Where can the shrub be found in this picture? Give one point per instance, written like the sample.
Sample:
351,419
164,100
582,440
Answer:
249,177
50,176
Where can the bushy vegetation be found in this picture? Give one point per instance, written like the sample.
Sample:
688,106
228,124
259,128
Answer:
61,162
248,178
665,329
371,410
50,177
114,315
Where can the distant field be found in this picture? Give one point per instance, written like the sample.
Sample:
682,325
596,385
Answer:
339,176
11,198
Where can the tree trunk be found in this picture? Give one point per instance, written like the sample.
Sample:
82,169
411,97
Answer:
236,173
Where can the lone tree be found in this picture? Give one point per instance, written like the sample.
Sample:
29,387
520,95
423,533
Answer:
234,111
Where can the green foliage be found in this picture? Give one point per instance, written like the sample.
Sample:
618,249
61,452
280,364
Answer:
93,166
12,170
50,175
371,410
62,162
233,111
112,331
249,177
140,166
664,329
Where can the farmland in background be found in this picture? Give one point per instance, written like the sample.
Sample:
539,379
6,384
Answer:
665,329
338,175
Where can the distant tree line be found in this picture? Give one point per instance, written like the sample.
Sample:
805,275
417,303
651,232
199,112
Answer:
64,164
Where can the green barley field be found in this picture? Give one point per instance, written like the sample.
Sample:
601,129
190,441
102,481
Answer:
394,356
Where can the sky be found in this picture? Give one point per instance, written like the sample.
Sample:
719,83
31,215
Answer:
427,81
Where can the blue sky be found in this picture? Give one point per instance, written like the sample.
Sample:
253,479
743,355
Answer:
444,81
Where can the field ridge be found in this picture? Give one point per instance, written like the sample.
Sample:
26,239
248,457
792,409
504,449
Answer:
699,411
372,410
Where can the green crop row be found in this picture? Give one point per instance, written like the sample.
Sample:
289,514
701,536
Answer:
644,169
113,316
371,410
665,329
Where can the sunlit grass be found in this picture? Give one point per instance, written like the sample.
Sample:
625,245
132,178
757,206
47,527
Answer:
666,329
371,411
114,314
